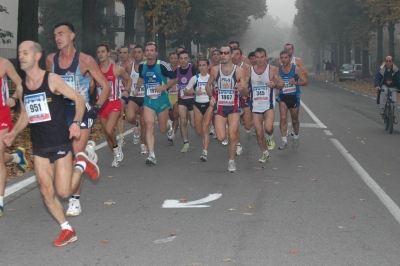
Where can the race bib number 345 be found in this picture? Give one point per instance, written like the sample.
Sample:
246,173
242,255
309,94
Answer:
37,108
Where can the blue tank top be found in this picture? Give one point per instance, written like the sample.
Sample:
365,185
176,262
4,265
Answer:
73,77
289,89
153,77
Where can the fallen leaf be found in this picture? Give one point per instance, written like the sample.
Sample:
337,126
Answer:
340,227
128,191
353,217
193,162
249,157
10,209
231,209
276,182
110,176
300,166
385,173
252,207
313,179
109,202
105,241
294,251
227,260
274,168
267,181
182,201
171,235
362,199
30,207
293,201
248,213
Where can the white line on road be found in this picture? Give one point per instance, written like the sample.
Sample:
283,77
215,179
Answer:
314,117
328,133
301,125
379,192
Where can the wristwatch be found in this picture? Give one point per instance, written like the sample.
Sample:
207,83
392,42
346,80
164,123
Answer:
77,122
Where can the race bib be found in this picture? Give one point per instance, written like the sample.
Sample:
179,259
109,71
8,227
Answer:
121,85
226,97
289,88
152,93
140,92
202,86
174,89
37,108
183,96
70,80
260,93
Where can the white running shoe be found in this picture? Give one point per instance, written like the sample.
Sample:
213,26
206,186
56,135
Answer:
74,207
239,150
143,149
283,145
170,133
121,142
91,151
136,134
225,142
295,144
232,167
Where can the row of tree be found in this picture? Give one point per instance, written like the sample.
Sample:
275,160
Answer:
347,24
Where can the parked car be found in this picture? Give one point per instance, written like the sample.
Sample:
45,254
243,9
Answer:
350,72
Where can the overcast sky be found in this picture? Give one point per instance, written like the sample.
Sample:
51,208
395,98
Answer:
283,9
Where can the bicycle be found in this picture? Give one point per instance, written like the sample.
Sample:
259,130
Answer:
388,112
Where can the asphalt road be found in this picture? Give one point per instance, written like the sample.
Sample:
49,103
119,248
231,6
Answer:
334,201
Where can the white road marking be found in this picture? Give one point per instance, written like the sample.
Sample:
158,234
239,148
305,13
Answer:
301,125
379,192
314,117
165,240
328,133
191,204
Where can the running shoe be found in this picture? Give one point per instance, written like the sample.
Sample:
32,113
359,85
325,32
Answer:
248,131
203,157
23,163
225,142
151,160
212,131
170,133
295,144
136,134
91,168
232,167
74,207
283,145
270,143
121,141
91,151
66,236
239,150
1,210
289,132
115,162
143,149
119,154
264,158
185,147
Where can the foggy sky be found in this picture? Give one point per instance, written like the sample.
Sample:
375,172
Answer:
283,9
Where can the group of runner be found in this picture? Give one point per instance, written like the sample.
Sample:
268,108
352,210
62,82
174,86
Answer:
220,90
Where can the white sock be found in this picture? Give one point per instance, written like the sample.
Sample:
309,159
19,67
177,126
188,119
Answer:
16,158
284,139
231,161
266,152
151,154
81,165
296,136
205,152
66,226
238,144
270,136
1,201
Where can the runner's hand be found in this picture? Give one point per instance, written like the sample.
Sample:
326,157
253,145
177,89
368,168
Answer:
8,138
93,113
74,131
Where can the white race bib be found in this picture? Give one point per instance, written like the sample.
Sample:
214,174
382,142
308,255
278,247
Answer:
260,93
152,93
37,108
226,97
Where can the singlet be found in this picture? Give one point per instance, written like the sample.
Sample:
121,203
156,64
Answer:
46,115
121,85
135,77
4,91
260,94
183,80
153,77
174,90
293,60
113,81
228,94
199,82
289,89
73,77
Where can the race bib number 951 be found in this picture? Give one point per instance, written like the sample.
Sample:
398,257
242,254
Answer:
37,108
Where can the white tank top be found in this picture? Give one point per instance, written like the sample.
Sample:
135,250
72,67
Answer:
135,77
260,92
293,60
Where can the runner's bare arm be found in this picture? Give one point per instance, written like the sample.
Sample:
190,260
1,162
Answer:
169,84
126,79
277,78
13,75
302,78
242,82
211,79
49,62
139,84
300,64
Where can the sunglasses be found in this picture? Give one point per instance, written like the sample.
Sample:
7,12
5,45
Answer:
388,61
225,53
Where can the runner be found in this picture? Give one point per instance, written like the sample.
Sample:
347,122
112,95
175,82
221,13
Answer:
236,44
289,97
185,103
77,68
231,81
8,70
111,110
246,116
252,58
132,46
214,61
126,64
203,112
264,79
135,105
42,94
153,74
173,94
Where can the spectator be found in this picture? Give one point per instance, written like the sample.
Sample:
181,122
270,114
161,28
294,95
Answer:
333,69
318,69
328,70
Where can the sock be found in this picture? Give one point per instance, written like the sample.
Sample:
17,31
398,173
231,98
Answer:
66,226
205,152
121,136
142,145
74,196
284,139
238,144
266,152
231,161
115,148
296,136
186,142
1,201
81,165
170,129
16,158
269,137
151,154
136,124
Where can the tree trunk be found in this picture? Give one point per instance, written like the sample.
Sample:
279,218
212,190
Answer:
89,27
357,54
130,32
341,57
334,52
348,52
28,24
391,39
162,45
379,46
365,60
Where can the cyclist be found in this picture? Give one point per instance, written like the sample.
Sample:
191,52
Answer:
388,78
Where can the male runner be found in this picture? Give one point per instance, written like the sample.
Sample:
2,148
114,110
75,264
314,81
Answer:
173,94
185,102
111,110
8,70
153,73
264,79
236,44
289,97
76,68
252,58
135,105
132,46
231,81
42,107
215,60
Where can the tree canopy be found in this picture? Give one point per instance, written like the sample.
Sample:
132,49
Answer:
5,35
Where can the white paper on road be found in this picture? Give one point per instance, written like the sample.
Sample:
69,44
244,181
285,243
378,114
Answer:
173,203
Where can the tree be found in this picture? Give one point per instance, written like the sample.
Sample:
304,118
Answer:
5,35
130,9
89,27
